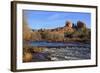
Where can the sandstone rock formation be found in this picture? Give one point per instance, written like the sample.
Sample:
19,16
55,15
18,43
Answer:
81,24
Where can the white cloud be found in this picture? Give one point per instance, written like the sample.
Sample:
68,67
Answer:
54,16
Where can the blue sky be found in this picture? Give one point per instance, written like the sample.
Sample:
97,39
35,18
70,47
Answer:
53,19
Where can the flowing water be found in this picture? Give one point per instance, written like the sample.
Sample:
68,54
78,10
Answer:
57,51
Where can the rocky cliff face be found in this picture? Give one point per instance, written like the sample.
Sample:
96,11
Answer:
81,24
66,28
68,24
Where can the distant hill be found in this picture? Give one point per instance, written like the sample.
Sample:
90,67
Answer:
69,27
